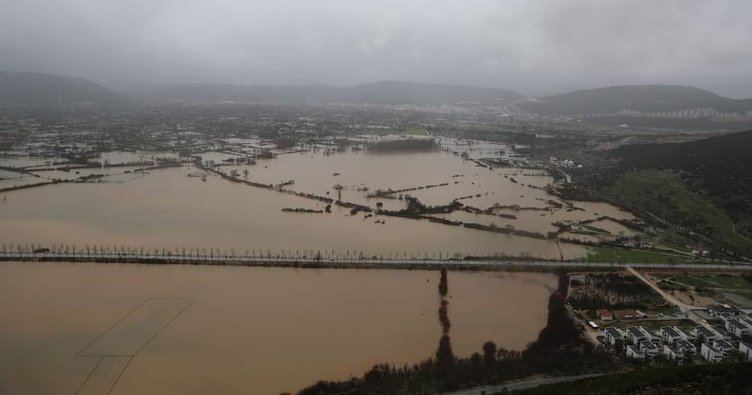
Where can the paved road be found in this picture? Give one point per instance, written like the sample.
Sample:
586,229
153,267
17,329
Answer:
670,298
238,260
522,385
688,309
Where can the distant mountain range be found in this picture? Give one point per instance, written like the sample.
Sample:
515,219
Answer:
642,98
34,89
384,92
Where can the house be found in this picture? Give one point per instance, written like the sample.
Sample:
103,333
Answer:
605,315
611,334
737,327
710,354
649,348
746,350
685,347
700,250
706,333
625,314
724,346
671,334
634,353
672,353
636,334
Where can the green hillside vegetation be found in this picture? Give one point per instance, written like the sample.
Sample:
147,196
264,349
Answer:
664,194
705,185
703,379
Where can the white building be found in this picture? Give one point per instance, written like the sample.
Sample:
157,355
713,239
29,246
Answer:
737,327
672,334
634,353
649,348
672,353
710,354
746,350
706,333
686,348
611,334
636,334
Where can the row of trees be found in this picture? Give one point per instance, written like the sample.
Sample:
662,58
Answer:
94,250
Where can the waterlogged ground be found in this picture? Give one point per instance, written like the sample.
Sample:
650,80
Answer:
199,329
168,209
184,207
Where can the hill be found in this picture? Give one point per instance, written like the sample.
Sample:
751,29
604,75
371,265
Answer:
643,98
386,92
705,185
44,90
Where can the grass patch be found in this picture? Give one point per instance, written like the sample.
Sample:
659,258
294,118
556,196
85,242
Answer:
714,281
414,131
603,254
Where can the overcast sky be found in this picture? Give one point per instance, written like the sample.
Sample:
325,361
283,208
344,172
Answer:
535,46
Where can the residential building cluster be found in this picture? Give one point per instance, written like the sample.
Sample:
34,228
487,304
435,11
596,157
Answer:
673,343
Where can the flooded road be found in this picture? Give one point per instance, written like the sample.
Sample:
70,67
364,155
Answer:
199,329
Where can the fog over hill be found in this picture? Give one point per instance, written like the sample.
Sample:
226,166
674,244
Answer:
383,92
34,89
642,98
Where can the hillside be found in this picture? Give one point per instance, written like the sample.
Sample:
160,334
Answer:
645,98
44,90
386,92
718,165
705,185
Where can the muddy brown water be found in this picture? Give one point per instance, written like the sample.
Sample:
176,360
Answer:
168,209
199,329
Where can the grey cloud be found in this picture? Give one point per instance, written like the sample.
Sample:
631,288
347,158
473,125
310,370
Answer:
540,46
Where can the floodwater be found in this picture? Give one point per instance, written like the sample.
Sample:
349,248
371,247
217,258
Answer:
201,329
168,209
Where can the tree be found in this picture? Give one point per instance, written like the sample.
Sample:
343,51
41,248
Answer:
489,353
444,354
443,282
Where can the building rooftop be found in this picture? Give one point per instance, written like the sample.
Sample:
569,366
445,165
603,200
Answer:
648,345
613,331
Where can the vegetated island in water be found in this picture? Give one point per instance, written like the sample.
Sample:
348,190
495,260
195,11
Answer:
404,145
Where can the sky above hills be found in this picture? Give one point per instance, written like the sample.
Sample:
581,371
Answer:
535,47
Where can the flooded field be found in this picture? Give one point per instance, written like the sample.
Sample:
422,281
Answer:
199,329
187,207
168,209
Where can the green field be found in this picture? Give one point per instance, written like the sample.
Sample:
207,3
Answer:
602,254
714,281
